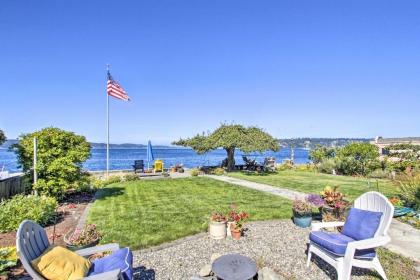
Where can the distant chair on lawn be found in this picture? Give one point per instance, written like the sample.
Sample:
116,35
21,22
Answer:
365,230
32,242
158,166
138,166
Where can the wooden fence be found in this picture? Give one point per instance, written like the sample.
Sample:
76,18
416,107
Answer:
11,186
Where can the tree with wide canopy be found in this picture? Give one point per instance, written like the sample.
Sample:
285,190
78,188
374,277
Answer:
231,137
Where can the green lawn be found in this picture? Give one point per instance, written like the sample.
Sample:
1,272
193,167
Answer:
313,182
144,213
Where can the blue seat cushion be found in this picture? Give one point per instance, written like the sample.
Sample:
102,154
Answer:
121,259
336,243
361,224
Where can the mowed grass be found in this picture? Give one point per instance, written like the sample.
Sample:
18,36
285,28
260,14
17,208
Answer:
314,182
149,212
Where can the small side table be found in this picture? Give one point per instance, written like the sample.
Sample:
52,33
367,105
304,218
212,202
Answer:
234,267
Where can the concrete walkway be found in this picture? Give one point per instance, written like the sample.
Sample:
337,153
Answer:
405,240
289,194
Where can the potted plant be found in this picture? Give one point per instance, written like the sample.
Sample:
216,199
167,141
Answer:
302,213
217,226
82,238
335,204
237,221
315,201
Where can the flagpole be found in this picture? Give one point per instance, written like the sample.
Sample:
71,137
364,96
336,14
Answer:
107,129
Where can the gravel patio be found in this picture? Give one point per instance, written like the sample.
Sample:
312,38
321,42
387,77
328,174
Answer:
279,245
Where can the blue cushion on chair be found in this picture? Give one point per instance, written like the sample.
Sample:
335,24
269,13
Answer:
336,243
361,224
121,259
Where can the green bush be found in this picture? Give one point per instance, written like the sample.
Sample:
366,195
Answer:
218,171
97,183
321,153
327,166
130,177
284,166
60,155
195,172
305,167
357,159
113,179
409,190
40,209
379,174
8,259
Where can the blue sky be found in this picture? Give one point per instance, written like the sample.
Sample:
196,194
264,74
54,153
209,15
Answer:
296,68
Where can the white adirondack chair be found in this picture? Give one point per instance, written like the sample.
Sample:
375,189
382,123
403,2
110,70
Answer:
371,201
32,241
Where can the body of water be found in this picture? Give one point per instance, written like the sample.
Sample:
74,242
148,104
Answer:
124,158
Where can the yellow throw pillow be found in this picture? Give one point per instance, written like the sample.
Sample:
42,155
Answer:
58,263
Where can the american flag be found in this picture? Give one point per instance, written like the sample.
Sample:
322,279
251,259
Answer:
114,89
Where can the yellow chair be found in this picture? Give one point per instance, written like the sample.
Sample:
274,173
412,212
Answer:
158,166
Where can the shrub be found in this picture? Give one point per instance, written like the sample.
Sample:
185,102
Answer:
112,180
195,172
130,177
218,171
97,183
327,166
284,166
358,159
409,190
60,157
321,153
8,258
379,174
40,209
305,167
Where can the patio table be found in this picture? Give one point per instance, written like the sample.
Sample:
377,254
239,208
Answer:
234,267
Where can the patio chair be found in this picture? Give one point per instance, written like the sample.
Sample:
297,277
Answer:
158,166
138,166
32,241
364,230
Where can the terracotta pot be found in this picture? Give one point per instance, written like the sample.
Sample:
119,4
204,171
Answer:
217,230
236,234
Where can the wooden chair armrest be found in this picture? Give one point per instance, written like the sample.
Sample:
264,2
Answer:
98,249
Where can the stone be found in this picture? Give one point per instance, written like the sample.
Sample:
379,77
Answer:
268,274
205,270
214,257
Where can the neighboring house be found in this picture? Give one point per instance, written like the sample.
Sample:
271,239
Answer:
382,143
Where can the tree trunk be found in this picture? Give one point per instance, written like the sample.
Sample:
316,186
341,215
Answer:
230,159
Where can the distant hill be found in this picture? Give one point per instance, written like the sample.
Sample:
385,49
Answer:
307,143
94,145
310,143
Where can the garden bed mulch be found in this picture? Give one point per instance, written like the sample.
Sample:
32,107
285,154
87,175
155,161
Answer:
69,213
